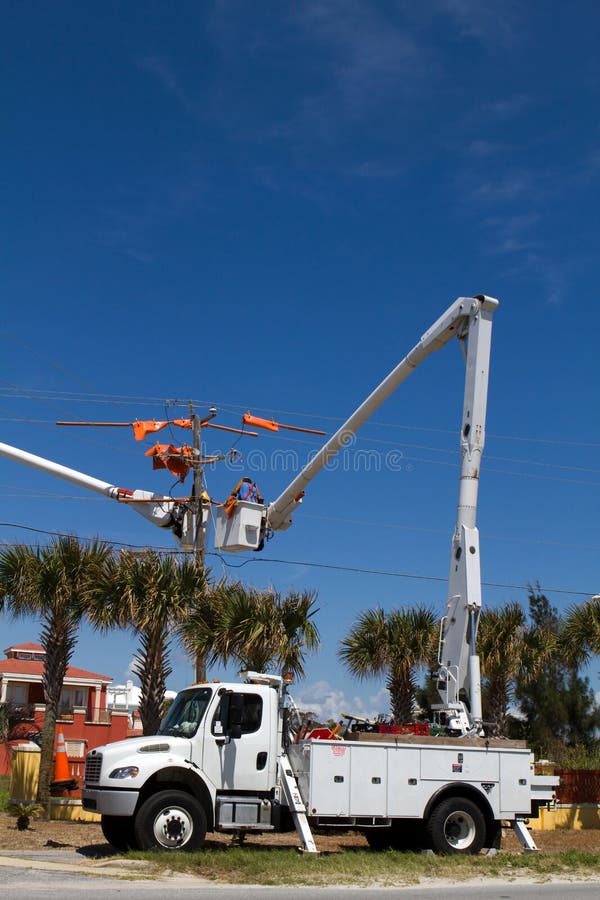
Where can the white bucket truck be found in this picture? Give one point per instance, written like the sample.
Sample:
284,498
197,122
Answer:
224,760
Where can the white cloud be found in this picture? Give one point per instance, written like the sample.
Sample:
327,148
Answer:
546,272
161,71
129,672
496,24
504,189
375,170
480,149
328,702
508,107
370,52
513,233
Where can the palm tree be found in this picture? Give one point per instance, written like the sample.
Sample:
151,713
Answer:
582,630
198,625
394,644
56,583
502,644
296,632
262,629
148,593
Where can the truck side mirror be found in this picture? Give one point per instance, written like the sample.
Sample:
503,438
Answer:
231,717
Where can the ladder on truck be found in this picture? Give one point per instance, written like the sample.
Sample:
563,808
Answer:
296,805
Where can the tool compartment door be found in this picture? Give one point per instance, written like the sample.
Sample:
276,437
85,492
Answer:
406,795
329,779
368,781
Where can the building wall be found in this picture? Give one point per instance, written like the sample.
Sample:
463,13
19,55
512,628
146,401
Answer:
80,734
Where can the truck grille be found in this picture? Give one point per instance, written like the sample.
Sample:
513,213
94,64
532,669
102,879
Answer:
93,766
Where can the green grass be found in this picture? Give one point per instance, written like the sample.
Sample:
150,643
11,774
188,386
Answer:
4,786
255,865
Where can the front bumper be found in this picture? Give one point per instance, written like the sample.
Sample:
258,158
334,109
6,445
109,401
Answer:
109,803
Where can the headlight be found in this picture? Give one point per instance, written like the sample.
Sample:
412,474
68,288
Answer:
125,772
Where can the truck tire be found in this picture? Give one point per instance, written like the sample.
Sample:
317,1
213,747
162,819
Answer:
456,825
118,831
170,820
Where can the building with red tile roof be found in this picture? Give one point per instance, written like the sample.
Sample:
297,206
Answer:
84,719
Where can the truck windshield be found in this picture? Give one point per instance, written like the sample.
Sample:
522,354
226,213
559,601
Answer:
186,712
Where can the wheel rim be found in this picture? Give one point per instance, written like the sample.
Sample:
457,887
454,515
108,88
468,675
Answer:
460,830
173,827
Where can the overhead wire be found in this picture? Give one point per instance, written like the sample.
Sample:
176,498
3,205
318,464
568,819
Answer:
307,563
285,438
489,537
43,359
36,494
124,399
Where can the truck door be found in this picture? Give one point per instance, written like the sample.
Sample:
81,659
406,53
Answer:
240,763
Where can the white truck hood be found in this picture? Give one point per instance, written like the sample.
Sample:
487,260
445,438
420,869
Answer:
146,754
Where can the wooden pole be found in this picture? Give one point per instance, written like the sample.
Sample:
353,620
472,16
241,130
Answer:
200,659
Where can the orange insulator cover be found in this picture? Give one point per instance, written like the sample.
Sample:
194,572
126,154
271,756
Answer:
260,423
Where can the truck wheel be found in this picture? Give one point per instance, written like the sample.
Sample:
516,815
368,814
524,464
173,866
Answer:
170,820
456,825
118,831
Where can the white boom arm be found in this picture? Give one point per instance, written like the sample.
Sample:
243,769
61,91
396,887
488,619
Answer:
161,511
470,320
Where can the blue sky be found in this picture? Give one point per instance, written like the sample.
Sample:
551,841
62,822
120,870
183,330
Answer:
263,206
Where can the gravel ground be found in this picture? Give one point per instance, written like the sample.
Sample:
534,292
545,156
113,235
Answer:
88,838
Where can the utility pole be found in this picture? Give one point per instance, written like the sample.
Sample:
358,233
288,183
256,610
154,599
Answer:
197,489
198,514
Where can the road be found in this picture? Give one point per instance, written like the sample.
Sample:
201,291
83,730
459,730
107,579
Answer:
42,874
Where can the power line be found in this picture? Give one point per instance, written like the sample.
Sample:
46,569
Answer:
35,494
85,539
45,360
238,408
387,574
452,452
296,562
488,537
434,430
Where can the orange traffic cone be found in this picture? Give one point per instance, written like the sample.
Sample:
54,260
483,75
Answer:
61,765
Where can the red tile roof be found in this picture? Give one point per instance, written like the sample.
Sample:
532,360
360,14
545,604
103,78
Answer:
37,648
33,667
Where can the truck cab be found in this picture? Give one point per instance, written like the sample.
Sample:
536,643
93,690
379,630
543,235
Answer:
212,765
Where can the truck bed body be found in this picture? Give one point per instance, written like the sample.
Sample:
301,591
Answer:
381,777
